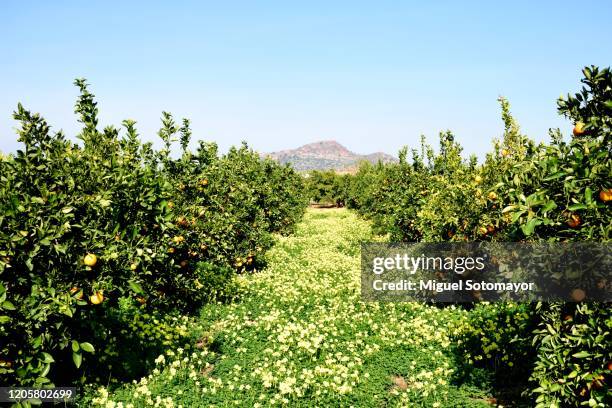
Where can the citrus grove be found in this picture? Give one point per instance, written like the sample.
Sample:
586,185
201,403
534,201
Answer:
96,235
197,280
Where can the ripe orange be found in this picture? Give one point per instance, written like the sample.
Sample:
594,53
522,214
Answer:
90,260
605,195
482,230
578,295
171,250
490,229
141,300
578,129
477,179
504,153
73,290
574,221
492,195
96,298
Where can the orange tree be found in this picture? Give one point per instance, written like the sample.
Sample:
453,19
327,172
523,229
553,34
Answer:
87,228
327,187
563,197
522,192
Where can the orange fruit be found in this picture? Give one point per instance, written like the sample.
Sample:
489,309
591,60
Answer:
477,179
492,195
182,221
178,239
482,230
133,266
73,290
171,250
90,260
578,295
578,129
490,229
141,300
96,298
574,221
504,153
605,195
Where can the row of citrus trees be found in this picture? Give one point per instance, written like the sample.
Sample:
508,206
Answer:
326,187
110,226
560,191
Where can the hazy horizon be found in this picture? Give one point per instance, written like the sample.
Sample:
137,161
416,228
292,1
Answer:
372,77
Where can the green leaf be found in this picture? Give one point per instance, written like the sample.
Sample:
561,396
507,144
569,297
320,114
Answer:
45,370
36,343
576,207
6,305
75,346
581,354
77,358
47,358
87,347
530,226
508,209
550,205
135,287
588,195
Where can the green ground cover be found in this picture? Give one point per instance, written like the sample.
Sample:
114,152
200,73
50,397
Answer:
299,335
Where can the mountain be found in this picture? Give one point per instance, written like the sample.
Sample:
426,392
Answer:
326,155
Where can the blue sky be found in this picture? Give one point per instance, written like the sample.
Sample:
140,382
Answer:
371,75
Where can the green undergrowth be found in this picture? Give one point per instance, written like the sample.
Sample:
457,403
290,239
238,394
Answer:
299,335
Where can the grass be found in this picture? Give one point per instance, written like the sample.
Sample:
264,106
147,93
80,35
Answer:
299,335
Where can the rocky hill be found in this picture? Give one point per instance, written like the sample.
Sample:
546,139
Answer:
327,155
